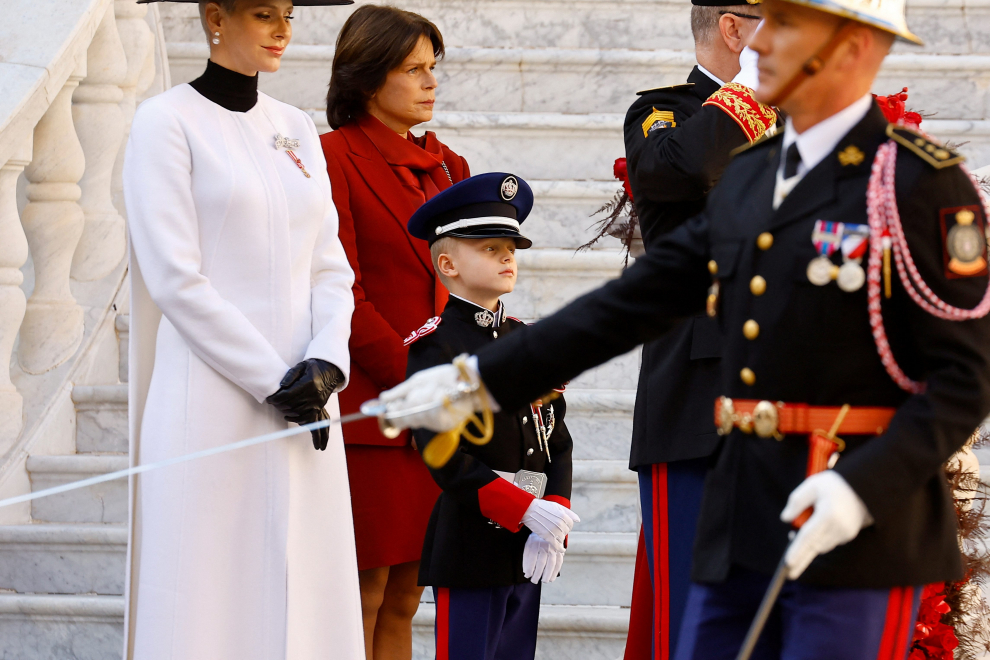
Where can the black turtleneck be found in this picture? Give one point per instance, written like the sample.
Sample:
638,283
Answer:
228,89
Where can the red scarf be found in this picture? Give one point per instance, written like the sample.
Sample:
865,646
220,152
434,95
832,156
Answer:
416,162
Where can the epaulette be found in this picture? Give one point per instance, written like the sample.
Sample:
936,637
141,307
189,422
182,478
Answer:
933,153
663,89
766,137
428,328
513,318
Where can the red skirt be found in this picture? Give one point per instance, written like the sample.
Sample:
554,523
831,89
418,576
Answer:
392,496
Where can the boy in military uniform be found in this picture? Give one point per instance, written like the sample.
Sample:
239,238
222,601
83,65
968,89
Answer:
847,262
499,526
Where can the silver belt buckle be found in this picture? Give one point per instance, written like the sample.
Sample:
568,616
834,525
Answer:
534,483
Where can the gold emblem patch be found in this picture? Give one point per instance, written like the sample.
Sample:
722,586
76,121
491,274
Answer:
851,155
657,120
965,242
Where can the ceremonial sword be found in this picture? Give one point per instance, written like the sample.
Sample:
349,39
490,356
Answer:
370,409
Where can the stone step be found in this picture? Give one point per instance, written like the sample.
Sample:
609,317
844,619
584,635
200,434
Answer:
565,214
61,627
566,632
556,146
598,570
63,559
545,79
600,421
102,503
101,417
947,26
605,494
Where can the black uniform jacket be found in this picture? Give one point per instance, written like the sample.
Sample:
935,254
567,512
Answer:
465,546
671,171
814,346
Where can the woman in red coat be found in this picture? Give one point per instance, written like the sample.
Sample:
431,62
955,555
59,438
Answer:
381,86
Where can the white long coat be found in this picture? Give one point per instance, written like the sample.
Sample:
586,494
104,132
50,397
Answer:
248,555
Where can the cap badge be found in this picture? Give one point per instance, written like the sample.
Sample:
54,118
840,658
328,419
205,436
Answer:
509,188
484,318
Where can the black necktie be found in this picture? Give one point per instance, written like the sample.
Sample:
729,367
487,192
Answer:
791,161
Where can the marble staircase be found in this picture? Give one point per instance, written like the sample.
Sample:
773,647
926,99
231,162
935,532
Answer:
536,87
539,88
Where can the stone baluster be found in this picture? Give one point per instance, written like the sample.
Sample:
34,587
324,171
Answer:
13,254
53,222
138,41
100,127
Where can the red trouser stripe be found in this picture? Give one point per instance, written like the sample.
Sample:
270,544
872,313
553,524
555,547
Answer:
897,625
443,623
661,565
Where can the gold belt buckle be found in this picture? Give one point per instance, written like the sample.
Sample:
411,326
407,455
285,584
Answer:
764,421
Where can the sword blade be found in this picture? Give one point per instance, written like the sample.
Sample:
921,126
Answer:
222,449
762,614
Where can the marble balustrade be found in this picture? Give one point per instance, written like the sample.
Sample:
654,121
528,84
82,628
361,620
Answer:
64,117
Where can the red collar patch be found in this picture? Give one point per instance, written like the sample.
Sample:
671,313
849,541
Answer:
428,328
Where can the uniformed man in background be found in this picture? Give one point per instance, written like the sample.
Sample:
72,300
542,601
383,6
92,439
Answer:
851,285
679,140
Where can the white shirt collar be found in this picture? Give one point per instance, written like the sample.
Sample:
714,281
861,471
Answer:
819,140
816,143
710,75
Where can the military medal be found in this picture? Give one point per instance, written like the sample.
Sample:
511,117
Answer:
287,145
851,276
826,238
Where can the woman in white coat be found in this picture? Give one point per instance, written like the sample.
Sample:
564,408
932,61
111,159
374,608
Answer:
247,555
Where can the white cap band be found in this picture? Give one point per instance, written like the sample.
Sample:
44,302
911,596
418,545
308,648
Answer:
477,222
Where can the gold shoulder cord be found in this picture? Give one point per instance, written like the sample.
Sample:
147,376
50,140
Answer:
443,445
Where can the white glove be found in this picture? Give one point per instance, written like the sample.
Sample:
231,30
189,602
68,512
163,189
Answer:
423,395
540,561
838,517
550,521
749,74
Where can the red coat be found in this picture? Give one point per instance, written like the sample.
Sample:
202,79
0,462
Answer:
395,287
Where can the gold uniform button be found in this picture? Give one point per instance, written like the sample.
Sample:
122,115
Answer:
764,241
751,330
712,267
747,376
757,286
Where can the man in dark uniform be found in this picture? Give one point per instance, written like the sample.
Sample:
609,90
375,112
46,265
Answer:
889,367
678,142
488,545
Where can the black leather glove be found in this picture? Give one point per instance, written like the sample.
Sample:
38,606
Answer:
320,436
304,392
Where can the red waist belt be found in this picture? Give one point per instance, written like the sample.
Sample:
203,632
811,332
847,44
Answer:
768,419
774,420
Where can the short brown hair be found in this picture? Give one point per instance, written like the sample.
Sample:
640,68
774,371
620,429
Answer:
704,20
374,40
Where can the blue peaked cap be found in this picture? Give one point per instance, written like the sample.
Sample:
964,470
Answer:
484,206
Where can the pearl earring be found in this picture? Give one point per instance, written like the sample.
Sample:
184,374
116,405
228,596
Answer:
216,38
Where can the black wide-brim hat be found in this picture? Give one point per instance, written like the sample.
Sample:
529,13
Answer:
295,3
491,205
724,3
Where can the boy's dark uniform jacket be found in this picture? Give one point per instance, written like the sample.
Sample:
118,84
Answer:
475,538
676,150
814,346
